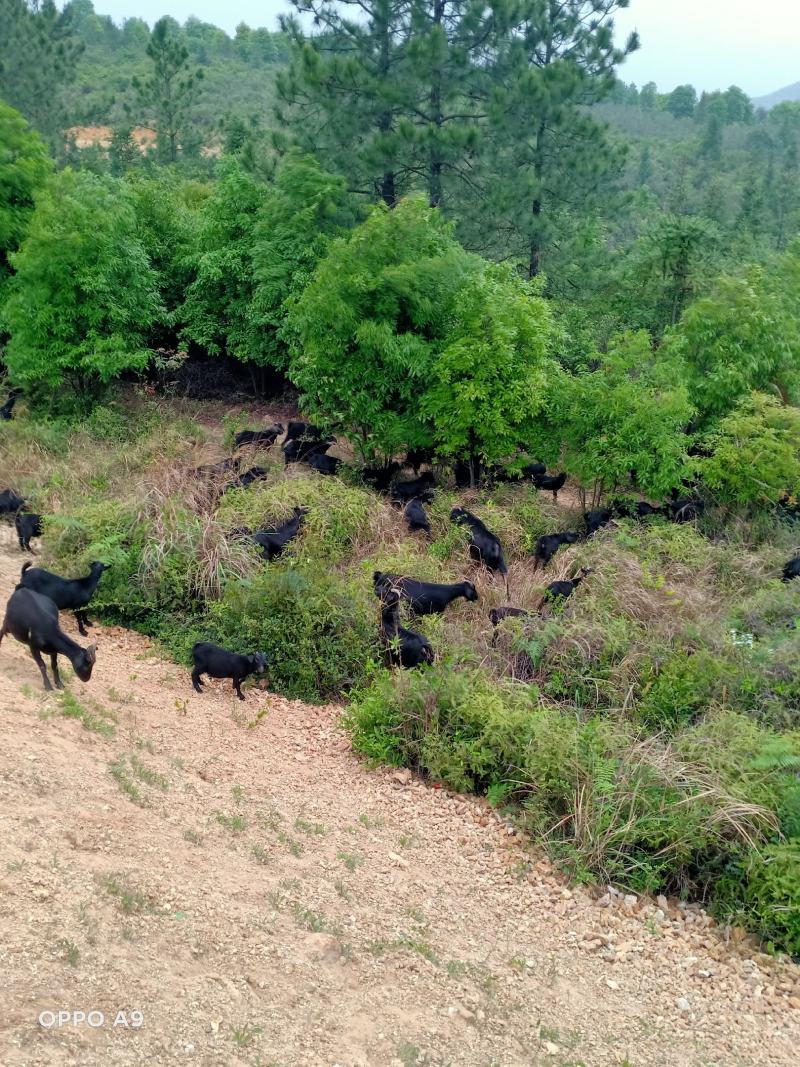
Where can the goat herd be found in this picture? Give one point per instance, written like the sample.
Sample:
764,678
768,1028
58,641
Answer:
32,611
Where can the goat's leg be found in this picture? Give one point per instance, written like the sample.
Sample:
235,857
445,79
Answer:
86,620
56,675
237,685
196,680
37,656
81,628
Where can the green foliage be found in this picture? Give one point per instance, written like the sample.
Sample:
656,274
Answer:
628,414
24,167
741,337
319,632
755,453
84,293
493,374
367,327
773,894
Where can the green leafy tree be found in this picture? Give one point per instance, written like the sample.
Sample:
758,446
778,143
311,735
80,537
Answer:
216,311
303,211
367,329
494,375
166,95
755,452
24,168
84,294
743,337
630,413
682,101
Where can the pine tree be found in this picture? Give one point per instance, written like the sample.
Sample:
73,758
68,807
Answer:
166,95
344,90
554,57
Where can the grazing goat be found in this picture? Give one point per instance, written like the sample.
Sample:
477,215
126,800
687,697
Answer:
558,592
381,478
10,503
405,491
255,474
214,470
217,662
534,470
424,598
549,544
7,410
497,615
788,509
323,464
636,509
33,620
259,438
295,430
68,594
483,545
551,482
792,569
415,516
272,542
596,520
415,457
28,525
404,647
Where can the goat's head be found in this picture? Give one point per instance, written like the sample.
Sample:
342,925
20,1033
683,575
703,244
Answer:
470,592
84,662
569,538
258,662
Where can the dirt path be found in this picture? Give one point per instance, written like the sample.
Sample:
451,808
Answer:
263,899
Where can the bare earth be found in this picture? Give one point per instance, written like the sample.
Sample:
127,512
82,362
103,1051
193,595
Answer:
263,898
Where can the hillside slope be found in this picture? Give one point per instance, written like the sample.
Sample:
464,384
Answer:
780,96
234,873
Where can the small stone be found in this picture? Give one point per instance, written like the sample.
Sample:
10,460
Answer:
630,900
682,1004
188,1048
551,1049
604,901
612,984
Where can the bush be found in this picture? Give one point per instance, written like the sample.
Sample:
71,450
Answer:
319,632
84,294
772,895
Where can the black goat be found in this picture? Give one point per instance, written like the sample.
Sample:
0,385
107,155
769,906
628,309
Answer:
217,662
28,525
404,647
558,592
214,470
484,546
272,542
424,598
255,474
295,430
551,482
788,509
7,410
323,464
299,448
686,508
549,544
497,615
405,491
534,471
68,594
381,477
259,438
10,503
792,569
415,516
415,457
596,520
636,509
33,620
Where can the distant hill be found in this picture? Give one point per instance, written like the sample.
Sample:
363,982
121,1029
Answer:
790,92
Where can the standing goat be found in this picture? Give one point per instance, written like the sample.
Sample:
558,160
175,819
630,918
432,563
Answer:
33,620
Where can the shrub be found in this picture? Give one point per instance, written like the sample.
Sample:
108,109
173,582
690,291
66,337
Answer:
84,293
772,895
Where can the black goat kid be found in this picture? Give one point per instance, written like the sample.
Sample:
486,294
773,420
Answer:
558,592
551,482
272,542
483,545
217,662
415,516
33,620
68,594
596,520
549,544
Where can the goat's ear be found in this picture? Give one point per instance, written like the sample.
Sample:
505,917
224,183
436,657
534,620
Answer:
91,653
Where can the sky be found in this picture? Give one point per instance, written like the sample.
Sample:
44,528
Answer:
709,43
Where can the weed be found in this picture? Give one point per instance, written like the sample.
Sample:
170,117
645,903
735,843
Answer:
130,900
271,821
146,774
244,1036
193,837
351,860
69,951
408,840
97,719
119,772
342,890
309,919
371,822
261,855
235,823
291,844
310,827
238,794
182,705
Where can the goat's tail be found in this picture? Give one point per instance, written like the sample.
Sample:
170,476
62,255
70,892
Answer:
25,566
